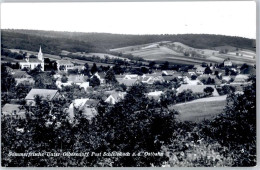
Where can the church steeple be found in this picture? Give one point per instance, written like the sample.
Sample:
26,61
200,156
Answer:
40,56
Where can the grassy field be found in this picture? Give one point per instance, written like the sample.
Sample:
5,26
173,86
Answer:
169,51
199,111
101,55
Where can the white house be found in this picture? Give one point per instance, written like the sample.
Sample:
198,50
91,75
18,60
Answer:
155,95
80,80
32,63
115,97
64,65
45,94
100,76
200,70
227,63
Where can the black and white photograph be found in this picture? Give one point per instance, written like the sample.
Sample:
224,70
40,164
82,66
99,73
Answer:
128,84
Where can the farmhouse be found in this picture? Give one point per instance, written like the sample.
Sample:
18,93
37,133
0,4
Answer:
191,71
227,63
131,76
45,94
100,76
73,79
196,89
64,65
21,77
155,95
240,79
115,97
86,106
200,70
127,82
32,63
14,110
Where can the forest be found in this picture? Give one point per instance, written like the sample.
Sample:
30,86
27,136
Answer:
53,42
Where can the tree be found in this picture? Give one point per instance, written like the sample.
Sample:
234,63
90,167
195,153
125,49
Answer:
236,127
193,77
152,64
207,70
165,65
94,81
209,90
7,81
94,69
64,79
85,71
110,77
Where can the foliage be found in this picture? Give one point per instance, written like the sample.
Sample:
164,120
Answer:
110,77
209,90
94,69
100,42
236,128
94,81
193,77
64,79
7,81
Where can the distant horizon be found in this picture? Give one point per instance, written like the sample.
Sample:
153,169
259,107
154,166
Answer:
231,18
124,33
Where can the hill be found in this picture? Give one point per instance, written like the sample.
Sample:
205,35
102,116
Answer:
54,41
179,53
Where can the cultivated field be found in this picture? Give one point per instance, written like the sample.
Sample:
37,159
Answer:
101,55
174,53
200,110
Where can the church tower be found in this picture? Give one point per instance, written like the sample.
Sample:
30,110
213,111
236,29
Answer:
40,56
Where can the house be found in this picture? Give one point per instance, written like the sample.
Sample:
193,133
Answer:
155,95
227,63
200,70
167,72
64,65
168,78
45,94
150,78
100,76
14,110
192,82
240,79
127,82
115,97
73,79
32,63
196,89
79,68
226,78
131,76
191,71
86,106
22,77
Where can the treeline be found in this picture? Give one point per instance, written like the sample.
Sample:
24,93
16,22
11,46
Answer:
54,41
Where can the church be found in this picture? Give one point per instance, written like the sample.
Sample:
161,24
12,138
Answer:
32,63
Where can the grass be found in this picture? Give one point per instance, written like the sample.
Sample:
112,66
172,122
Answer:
197,112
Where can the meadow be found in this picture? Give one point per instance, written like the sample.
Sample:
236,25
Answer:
199,111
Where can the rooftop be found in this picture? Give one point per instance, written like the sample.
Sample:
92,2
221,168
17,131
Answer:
45,93
64,62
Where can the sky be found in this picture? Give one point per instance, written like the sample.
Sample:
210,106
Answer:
234,18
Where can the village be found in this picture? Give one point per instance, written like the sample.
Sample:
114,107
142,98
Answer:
84,86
